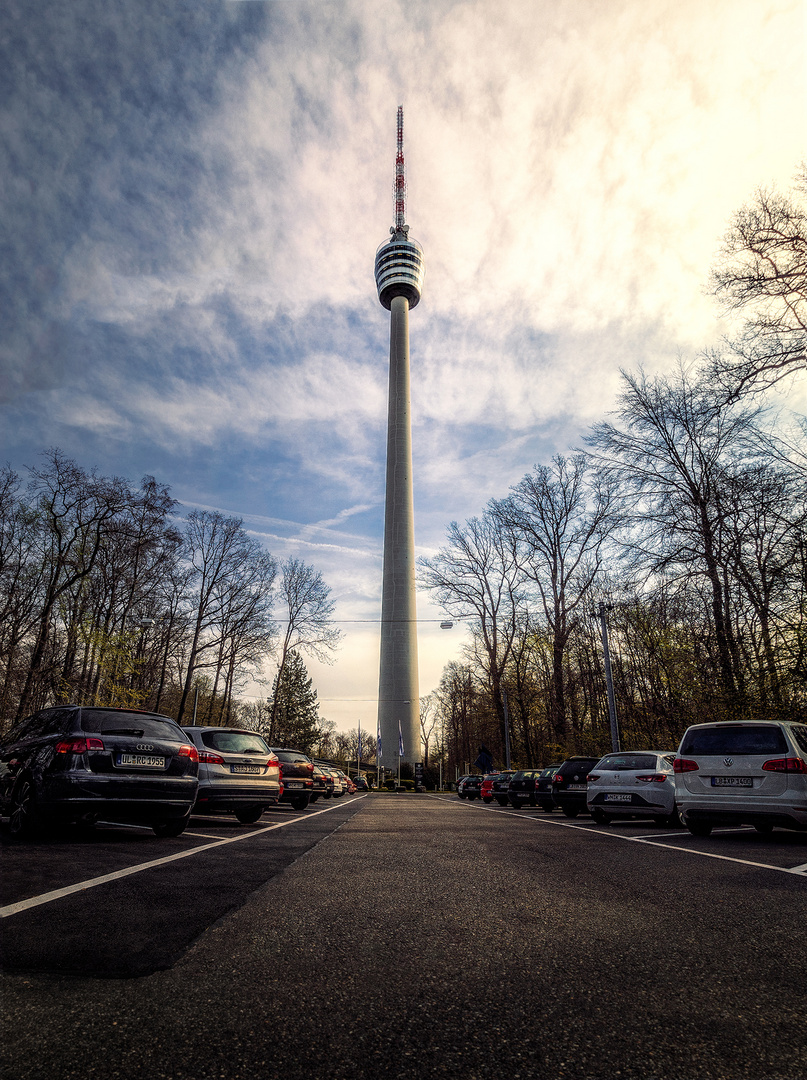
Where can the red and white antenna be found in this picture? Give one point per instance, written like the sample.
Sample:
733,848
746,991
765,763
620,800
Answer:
400,178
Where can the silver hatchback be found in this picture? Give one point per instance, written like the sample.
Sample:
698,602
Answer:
744,773
238,773
639,783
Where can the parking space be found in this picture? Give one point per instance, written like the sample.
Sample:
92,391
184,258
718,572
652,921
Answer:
120,901
782,850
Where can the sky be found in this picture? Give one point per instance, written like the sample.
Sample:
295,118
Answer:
192,196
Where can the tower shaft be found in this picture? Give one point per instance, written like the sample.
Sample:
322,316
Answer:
398,697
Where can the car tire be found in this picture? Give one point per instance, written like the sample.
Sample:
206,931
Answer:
174,827
24,820
249,815
699,828
502,802
547,807
570,811
299,802
764,828
487,798
600,817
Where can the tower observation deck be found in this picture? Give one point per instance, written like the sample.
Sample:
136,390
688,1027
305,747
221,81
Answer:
399,280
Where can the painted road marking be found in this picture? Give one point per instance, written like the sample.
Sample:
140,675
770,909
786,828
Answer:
81,886
799,871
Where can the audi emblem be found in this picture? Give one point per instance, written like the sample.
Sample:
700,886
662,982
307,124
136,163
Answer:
144,746
728,762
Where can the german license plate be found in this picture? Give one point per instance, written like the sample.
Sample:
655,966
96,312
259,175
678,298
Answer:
576,787
618,798
732,781
251,769
141,761
293,784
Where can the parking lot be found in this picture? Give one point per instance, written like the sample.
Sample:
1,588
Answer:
414,936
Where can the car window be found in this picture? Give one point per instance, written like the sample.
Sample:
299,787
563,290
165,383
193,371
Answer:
289,755
734,739
46,722
799,732
107,722
616,762
235,742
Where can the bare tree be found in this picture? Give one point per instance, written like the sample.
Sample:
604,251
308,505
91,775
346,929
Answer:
476,577
558,520
762,275
306,611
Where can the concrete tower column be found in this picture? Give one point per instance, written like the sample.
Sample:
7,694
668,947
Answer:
398,696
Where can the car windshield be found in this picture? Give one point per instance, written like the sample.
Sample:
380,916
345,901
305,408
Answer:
289,755
235,742
110,722
738,739
620,762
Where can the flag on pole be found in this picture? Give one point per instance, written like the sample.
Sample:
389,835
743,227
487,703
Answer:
400,741
378,742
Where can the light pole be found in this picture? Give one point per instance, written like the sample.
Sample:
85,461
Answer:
609,682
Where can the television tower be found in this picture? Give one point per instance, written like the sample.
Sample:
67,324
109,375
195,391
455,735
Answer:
399,280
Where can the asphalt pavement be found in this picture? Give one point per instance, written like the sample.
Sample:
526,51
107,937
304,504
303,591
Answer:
427,937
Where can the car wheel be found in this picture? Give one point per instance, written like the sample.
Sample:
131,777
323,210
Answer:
299,802
764,828
249,814
699,828
600,817
547,807
23,816
570,811
532,800
175,827
502,802
487,798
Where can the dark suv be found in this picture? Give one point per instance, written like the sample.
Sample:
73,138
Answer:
569,784
76,763
296,776
521,788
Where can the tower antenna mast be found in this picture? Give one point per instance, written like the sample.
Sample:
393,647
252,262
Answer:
400,179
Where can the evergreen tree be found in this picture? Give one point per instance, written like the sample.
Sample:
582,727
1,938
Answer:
296,719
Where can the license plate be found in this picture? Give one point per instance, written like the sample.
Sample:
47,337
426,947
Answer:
141,761
251,769
732,781
618,798
576,787
293,783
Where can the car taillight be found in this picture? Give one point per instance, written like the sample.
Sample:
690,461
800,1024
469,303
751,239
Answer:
592,778
785,764
272,763
684,765
188,751
310,766
78,746
557,778
653,778
207,758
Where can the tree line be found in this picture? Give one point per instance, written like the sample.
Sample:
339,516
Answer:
683,519
107,597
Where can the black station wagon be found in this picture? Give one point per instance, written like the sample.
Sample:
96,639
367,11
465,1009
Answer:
75,763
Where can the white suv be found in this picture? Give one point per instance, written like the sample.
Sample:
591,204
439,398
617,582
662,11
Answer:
749,772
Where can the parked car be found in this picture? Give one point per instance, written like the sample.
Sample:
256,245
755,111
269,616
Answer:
569,784
322,784
362,783
638,783
296,775
238,774
499,786
744,773
75,763
470,787
339,786
461,783
486,791
521,788
543,787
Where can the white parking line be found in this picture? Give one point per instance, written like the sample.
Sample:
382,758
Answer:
80,886
799,871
